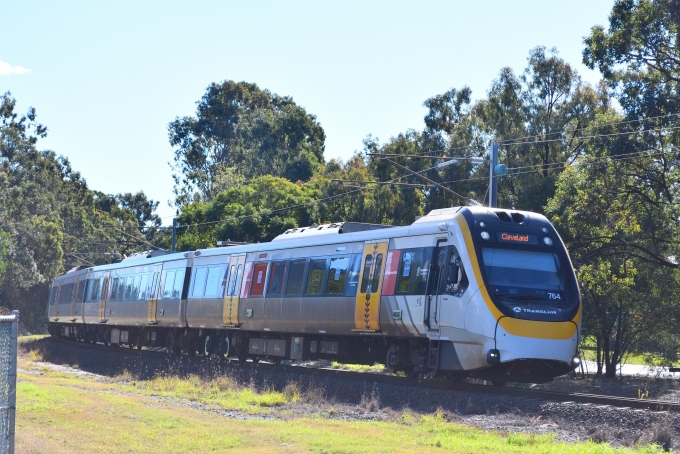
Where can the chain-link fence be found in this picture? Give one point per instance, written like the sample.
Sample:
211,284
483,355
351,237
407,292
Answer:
9,330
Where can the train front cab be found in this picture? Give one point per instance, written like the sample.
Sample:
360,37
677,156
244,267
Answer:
509,307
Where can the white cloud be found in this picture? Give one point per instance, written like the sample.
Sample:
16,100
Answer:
6,68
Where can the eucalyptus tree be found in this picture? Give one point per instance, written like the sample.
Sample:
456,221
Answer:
240,128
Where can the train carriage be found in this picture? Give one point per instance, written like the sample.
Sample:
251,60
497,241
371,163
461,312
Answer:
464,291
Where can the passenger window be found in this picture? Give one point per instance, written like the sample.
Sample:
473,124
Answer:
378,270
81,291
232,281
128,288
367,272
94,290
404,282
295,275
239,275
259,276
213,281
114,289
317,268
120,288
354,273
179,283
134,294
276,279
200,276
337,276
142,287
168,284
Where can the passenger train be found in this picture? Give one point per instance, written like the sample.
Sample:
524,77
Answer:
462,292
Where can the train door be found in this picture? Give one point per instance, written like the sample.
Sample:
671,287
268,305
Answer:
153,295
232,292
434,293
103,294
76,291
367,311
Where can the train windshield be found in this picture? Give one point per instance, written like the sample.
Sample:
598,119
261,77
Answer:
510,269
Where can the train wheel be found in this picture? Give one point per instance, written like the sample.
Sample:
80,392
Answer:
392,359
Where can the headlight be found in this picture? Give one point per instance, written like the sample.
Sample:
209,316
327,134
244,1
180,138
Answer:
548,241
485,235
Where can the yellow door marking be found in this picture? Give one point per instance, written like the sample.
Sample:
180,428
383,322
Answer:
367,309
232,292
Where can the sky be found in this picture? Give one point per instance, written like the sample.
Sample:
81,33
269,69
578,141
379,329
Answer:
107,77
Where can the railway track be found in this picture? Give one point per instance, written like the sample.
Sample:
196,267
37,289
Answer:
583,398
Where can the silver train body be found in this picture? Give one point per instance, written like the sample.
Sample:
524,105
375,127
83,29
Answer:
463,291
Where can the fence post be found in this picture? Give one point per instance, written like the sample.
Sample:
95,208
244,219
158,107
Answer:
9,333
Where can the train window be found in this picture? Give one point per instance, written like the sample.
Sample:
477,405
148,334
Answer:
259,276
128,288
317,268
94,289
456,279
276,279
200,275
239,275
121,288
405,270
354,273
179,283
53,294
232,281
66,295
337,275
134,294
295,275
367,273
142,287
81,291
213,281
114,289
168,284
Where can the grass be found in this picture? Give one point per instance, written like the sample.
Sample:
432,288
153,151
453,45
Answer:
59,412
375,368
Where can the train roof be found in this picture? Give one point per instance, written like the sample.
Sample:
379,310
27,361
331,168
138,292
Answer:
340,232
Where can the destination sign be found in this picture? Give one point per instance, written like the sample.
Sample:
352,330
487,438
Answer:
523,238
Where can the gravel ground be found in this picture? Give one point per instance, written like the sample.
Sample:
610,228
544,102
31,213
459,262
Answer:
334,398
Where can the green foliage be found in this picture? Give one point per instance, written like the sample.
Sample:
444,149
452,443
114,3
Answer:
247,129
255,212
50,221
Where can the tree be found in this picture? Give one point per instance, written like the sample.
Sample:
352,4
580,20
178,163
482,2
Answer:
264,208
619,219
241,127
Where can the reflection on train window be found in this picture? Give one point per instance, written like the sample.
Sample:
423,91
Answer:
66,294
213,281
200,276
53,294
114,289
295,274
528,269
121,288
232,281
128,287
367,273
337,276
276,279
81,291
404,282
94,289
179,283
259,277
136,287
239,275
168,284
353,273
142,287
413,271
317,268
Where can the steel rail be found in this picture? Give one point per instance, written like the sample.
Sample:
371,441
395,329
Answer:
553,396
